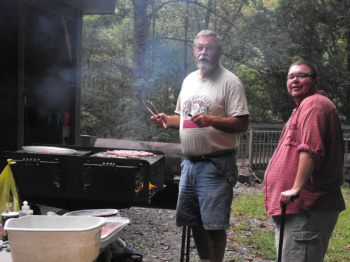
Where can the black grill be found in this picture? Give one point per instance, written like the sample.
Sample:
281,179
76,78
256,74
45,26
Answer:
83,181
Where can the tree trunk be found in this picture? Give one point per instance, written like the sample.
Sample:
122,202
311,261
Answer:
207,17
139,42
185,43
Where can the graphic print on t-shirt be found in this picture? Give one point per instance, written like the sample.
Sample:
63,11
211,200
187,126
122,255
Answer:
194,105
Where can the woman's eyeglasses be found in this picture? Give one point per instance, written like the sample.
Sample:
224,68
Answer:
299,76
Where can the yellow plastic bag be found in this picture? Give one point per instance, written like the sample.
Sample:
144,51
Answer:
8,191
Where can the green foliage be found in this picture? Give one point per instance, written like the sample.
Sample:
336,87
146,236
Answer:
261,39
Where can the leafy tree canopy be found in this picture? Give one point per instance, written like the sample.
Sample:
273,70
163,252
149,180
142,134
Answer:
261,39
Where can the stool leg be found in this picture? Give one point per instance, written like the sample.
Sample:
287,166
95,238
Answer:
183,244
188,244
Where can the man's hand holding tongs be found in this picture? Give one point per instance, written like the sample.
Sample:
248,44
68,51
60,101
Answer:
159,120
155,115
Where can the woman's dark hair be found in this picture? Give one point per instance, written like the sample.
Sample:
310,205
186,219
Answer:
313,68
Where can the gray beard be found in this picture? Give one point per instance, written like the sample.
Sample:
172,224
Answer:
204,65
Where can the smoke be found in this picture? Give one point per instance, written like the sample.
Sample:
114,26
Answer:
49,74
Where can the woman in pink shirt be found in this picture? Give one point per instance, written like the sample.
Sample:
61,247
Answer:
308,161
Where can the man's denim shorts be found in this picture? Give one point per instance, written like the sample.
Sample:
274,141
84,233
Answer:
206,192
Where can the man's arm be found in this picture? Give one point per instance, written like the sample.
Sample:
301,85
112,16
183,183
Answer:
305,168
171,121
231,125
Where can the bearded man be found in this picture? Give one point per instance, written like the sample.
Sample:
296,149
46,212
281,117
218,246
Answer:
208,139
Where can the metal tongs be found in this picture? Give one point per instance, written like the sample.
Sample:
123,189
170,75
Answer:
154,108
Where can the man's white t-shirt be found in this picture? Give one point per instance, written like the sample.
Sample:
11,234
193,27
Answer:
222,94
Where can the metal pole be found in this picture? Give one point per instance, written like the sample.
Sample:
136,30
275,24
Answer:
280,246
283,218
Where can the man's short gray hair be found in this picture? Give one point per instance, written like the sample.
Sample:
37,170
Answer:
209,33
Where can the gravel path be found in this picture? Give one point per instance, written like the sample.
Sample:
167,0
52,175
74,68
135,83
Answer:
152,233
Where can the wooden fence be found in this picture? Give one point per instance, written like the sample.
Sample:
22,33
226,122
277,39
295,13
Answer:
259,143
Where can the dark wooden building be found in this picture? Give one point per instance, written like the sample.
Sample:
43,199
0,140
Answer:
40,50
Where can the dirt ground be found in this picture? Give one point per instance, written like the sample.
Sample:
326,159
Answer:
152,233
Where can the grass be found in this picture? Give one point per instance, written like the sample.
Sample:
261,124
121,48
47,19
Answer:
339,245
254,230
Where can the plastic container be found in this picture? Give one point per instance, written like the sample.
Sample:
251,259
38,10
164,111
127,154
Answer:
26,211
54,238
114,223
112,231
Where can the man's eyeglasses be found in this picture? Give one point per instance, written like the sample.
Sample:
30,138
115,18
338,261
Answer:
209,48
299,76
